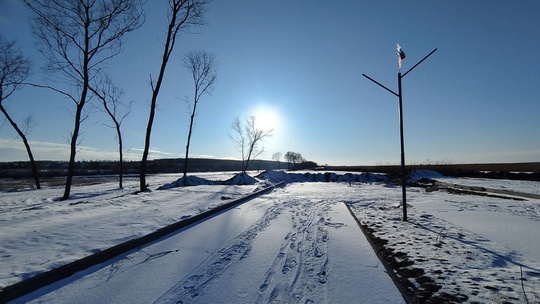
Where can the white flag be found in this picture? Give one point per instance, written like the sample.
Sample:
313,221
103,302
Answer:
400,54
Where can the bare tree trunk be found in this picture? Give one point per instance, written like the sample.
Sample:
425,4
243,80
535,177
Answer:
121,158
248,158
111,98
78,112
169,46
26,145
73,144
202,66
183,14
189,140
155,92
14,69
33,165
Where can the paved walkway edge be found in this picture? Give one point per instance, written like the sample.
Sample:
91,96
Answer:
397,281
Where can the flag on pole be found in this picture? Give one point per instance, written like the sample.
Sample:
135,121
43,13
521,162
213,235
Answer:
400,54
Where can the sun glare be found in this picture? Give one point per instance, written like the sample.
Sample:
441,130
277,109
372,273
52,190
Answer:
266,119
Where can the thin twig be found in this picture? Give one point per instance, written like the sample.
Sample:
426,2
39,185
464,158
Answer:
523,285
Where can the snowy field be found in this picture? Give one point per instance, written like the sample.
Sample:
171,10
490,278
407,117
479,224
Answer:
463,248
296,244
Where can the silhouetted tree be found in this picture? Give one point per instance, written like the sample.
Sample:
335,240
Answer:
248,139
182,14
293,158
306,164
202,66
111,99
78,37
14,69
277,156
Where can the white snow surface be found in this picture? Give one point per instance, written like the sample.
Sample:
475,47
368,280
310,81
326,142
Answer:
297,243
501,184
483,248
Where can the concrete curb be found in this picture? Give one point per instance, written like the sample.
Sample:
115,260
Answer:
19,289
397,281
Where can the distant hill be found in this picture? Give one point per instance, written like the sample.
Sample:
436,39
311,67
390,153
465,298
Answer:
59,168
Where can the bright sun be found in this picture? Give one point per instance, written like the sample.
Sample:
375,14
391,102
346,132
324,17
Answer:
266,119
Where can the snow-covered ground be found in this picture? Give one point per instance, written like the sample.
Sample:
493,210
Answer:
502,184
298,242
477,249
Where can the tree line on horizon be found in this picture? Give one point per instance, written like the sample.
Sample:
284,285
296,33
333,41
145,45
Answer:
50,168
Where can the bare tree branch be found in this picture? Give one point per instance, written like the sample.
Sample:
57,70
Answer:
248,139
111,100
202,66
14,69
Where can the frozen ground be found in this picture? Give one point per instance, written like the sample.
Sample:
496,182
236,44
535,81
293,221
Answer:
503,184
285,247
459,247
296,242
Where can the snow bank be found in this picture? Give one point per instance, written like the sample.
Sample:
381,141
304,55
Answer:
279,176
241,179
187,181
271,177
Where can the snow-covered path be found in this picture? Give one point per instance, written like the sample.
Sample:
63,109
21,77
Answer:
295,245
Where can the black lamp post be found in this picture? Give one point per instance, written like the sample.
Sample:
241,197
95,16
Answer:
400,96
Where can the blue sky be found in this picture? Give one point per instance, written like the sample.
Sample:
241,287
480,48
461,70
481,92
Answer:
475,100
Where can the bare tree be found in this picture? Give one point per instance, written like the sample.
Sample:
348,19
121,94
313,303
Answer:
248,139
293,159
111,100
202,66
277,156
14,69
182,14
78,37
239,138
